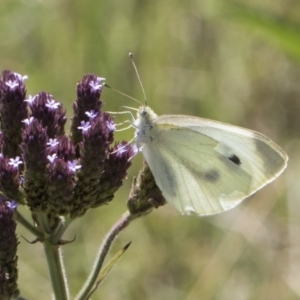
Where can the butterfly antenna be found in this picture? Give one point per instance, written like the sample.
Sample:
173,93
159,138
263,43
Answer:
121,93
138,76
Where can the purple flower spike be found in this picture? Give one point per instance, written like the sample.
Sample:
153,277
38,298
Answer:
8,251
13,110
61,187
87,105
34,153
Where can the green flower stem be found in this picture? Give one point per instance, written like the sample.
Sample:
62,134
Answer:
103,251
43,223
20,219
57,272
60,230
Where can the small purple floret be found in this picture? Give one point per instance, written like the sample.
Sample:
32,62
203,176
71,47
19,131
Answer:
52,104
97,84
53,142
85,126
91,114
28,121
12,84
15,162
52,157
73,165
111,125
30,99
12,204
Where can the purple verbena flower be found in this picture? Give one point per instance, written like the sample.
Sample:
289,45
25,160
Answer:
91,114
15,162
85,126
12,84
61,175
111,125
12,204
28,120
52,157
121,149
97,84
52,142
20,77
30,99
73,165
52,104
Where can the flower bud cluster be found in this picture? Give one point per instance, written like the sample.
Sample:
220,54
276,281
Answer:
46,169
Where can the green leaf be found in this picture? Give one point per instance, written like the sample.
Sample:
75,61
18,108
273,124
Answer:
107,268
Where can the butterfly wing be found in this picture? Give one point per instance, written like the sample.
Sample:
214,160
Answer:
206,167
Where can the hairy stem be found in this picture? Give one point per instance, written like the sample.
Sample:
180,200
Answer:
20,219
57,272
125,220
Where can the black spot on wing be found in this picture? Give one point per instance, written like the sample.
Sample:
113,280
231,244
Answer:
211,175
235,159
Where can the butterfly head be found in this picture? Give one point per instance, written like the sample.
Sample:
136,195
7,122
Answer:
145,115
144,124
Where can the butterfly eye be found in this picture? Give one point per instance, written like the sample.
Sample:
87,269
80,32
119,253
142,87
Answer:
144,113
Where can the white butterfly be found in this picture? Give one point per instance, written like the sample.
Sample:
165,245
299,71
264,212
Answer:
203,166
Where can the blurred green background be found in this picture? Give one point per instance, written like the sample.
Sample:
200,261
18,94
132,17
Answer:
236,62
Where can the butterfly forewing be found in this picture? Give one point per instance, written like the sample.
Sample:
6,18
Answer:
206,167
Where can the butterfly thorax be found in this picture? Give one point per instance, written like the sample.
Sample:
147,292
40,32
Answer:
144,124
